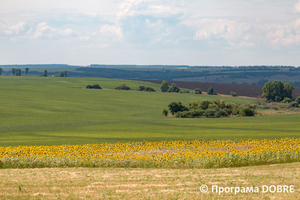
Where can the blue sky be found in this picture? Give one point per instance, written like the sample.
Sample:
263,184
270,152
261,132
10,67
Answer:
174,32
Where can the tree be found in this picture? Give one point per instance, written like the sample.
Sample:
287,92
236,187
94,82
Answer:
165,112
277,91
26,70
1,71
298,99
142,88
45,73
97,86
123,86
164,86
197,91
233,94
288,90
65,73
146,88
17,72
174,88
13,70
175,107
211,91
89,87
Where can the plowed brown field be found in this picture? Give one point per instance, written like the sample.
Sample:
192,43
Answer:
222,88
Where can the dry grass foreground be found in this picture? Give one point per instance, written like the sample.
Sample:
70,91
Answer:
119,183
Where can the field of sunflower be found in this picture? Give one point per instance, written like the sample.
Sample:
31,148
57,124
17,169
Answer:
164,154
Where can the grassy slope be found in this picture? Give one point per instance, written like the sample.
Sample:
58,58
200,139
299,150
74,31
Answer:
52,111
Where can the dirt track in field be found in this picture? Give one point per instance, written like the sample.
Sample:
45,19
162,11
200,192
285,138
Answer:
223,88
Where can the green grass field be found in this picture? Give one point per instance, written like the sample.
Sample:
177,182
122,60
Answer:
54,111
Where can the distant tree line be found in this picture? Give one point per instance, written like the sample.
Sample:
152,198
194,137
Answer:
61,74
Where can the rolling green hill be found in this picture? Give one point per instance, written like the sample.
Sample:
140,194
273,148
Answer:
54,111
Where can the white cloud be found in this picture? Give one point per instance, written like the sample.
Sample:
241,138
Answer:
153,25
157,8
18,29
84,38
110,30
285,35
297,6
45,31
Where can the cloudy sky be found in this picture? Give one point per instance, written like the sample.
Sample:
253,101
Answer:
175,32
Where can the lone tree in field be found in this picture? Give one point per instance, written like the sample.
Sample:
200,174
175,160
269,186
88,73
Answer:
45,73
96,86
211,91
277,91
234,94
18,72
197,91
26,70
1,71
13,70
165,112
174,88
164,86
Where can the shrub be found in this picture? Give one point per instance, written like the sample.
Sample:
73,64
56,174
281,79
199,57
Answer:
190,114
185,91
210,113
235,111
146,88
89,87
253,106
220,113
141,88
294,104
234,94
197,91
96,86
175,107
197,113
264,107
210,91
228,111
286,100
204,104
122,87
174,88
208,109
247,111
213,106
231,105
165,112
298,99
149,89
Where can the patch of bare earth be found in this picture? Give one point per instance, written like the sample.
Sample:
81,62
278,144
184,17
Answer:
119,183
